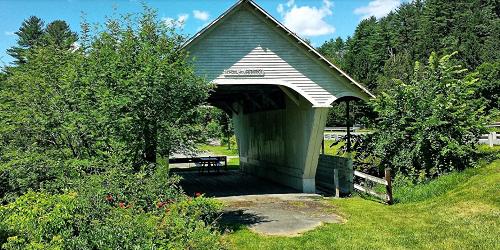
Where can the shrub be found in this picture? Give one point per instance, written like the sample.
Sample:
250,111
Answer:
81,133
39,220
430,125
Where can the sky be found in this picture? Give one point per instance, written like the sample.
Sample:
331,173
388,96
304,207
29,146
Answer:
316,20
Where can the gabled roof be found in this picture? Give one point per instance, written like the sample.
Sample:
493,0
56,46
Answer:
299,40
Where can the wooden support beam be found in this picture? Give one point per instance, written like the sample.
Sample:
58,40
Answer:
266,97
252,101
388,187
230,108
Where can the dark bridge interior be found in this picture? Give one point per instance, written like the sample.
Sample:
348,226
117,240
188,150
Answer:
248,98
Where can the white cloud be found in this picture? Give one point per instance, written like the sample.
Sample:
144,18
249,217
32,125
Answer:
9,33
307,20
201,15
178,22
377,8
183,18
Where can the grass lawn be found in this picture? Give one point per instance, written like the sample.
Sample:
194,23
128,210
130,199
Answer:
222,150
456,211
219,150
332,150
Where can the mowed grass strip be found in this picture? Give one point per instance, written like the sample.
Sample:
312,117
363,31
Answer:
219,150
456,211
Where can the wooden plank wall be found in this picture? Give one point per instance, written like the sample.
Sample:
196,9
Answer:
325,174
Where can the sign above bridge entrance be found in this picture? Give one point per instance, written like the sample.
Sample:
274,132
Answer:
244,72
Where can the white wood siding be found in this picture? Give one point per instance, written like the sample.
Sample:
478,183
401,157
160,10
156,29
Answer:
246,40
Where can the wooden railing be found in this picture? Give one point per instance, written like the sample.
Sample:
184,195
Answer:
387,196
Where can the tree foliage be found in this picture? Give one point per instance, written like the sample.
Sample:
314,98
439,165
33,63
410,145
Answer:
84,135
334,50
430,125
32,33
386,48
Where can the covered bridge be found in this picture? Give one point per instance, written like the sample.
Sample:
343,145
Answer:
277,88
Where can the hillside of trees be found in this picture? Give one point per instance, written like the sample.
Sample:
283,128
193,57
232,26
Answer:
381,50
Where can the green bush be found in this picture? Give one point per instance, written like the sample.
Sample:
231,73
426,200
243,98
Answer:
39,220
81,133
431,125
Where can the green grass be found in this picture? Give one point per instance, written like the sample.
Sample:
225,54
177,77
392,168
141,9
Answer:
456,211
332,150
219,150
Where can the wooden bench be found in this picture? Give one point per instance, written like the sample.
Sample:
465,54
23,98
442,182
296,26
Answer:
204,162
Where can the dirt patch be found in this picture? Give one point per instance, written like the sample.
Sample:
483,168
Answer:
282,214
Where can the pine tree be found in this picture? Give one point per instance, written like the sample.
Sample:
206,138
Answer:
29,35
58,33
334,51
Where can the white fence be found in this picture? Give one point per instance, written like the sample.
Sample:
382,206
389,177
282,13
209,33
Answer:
493,138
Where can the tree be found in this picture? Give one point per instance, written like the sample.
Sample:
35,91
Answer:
489,86
29,36
79,134
130,96
58,34
430,125
146,86
334,50
386,48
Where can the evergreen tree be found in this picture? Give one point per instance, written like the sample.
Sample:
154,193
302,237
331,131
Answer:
58,34
334,51
29,35
366,52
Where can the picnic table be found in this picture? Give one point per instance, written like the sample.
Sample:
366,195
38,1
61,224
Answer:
203,163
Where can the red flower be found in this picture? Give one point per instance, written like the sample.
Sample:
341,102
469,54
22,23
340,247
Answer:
197,194
121,204
109,198
160,204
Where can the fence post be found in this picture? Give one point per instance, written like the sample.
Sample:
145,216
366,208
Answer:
336,181
388,187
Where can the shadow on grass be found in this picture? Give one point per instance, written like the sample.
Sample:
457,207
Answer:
234,220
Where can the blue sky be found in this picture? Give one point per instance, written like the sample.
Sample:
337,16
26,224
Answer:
317,20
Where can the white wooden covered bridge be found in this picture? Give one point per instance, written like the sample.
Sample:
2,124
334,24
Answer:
276,86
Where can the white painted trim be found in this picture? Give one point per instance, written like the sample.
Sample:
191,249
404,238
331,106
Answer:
271,82
314,142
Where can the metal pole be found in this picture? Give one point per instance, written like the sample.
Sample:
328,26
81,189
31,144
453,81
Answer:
348,126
